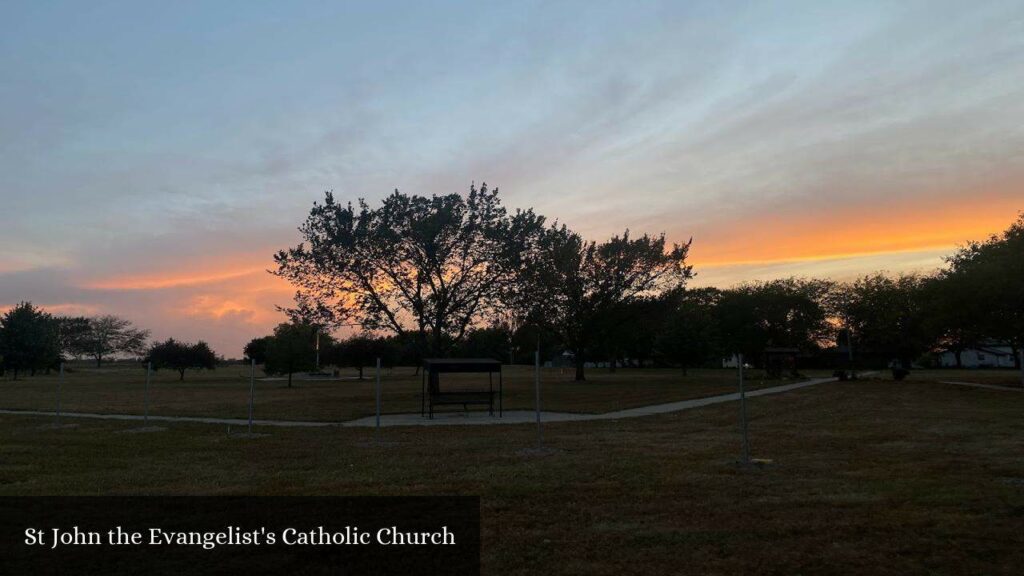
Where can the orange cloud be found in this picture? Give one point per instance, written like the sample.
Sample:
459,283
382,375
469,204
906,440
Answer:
907,225
190,278
63,309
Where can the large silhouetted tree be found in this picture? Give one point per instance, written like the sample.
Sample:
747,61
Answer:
29,340
689,335
996,267
104,336
361,351
257,349
955,313
779,313
182,356
292,348
429,266
886,316
573,286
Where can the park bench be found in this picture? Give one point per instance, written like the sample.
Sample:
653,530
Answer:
433,395
464,398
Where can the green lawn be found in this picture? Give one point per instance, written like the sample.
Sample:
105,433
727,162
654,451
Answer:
870,477
1001,377
225,391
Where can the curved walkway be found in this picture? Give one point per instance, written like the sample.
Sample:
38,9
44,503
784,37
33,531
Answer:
446,418
977,385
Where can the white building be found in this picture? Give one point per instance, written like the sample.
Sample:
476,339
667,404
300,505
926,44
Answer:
986,356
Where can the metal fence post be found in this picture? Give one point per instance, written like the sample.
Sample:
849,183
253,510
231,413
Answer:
60,384
252,389
743,413
536,392
145,416
377,431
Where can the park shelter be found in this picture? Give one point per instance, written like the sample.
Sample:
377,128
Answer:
432,393
779,360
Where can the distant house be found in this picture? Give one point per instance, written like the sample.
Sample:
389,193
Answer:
985,356
734,362
568,360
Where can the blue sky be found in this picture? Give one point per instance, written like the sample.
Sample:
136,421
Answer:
154,155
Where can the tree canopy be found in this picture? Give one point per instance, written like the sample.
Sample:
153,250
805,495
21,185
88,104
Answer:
104,336
572,287
996,271
292,348
885,316
431,266
786,313
181,356
29,340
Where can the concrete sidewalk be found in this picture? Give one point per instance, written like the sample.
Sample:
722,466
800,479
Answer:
189,419
989,386
445,418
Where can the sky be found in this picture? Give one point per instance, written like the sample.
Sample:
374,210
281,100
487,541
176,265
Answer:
155,155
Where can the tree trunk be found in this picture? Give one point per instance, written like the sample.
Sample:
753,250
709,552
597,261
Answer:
360,372
289,379
579,366
181,374
957,354
1020,364
99,360
612,363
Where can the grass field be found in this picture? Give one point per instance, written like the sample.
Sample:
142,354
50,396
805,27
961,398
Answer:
224,392
869,477
995,377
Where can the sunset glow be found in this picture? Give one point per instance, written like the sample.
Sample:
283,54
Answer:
152,169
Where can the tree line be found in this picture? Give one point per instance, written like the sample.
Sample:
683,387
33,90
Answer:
449,275
33,340
444,274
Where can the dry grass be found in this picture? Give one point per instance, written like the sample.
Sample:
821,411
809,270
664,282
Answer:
1000,377
870,477
224,392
